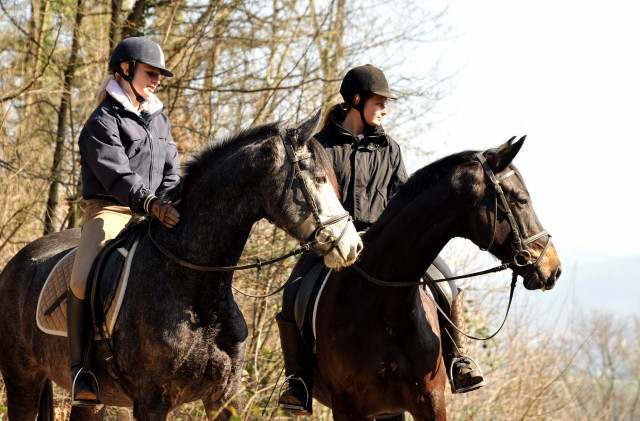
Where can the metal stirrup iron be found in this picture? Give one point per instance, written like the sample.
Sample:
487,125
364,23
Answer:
289,406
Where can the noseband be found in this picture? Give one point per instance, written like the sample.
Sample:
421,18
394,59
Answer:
522,256
297,173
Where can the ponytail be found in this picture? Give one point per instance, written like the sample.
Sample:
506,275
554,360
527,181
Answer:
328,117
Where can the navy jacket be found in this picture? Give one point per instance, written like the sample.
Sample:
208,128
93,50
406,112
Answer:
368,169
127,156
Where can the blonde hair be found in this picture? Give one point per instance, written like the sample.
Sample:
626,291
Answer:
102,92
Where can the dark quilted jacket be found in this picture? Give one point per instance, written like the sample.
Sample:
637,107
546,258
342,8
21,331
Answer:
127,156
368,169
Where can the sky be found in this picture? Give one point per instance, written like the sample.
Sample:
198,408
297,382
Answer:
566,74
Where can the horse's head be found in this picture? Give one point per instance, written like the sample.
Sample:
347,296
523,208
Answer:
308,206
503,220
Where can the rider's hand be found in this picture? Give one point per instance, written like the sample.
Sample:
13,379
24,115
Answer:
165,212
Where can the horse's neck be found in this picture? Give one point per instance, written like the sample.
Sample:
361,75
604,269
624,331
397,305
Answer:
213,232
401,246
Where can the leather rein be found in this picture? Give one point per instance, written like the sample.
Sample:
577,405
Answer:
294,160
521,258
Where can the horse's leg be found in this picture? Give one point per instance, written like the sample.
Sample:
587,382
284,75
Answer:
344,416
400,417
23,393
217,412
342,410
152,407
431,408
87,413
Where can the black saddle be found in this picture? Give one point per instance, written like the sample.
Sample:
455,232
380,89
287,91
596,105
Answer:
306,297
107,269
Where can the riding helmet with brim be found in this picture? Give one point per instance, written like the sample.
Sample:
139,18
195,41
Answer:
139,49
365,78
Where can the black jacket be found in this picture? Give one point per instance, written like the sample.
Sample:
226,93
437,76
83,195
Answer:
368,169
127,156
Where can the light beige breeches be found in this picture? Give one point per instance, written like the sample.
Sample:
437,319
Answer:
103,220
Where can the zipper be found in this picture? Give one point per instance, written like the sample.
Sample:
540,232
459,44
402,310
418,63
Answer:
146,127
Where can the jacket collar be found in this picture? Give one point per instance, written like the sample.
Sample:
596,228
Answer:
150,106
372,135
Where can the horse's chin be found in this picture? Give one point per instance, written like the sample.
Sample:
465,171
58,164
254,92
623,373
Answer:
533,282
336,262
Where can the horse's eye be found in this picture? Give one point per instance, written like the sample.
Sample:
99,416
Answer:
321,179
522,201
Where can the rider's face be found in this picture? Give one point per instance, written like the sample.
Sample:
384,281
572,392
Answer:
146,79
374,109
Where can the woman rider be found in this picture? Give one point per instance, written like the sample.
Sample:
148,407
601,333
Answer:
128,158
369,167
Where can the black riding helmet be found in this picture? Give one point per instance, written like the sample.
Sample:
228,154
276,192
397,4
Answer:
365,81
133,50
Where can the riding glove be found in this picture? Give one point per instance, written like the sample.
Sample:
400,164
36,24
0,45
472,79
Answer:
164,211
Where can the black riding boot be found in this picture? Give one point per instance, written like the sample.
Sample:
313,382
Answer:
297,397
463,372
79,329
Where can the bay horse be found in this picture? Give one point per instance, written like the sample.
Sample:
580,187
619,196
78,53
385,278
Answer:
180,335
378,345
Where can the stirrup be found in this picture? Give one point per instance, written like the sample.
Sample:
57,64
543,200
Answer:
94,381
292,407
454,387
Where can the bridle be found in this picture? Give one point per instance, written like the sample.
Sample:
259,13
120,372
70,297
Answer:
521,258
297,173
312,240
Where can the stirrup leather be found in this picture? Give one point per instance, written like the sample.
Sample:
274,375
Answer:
94,382
454,387
292,407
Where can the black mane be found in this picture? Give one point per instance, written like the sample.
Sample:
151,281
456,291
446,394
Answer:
429,175
214,149
424,178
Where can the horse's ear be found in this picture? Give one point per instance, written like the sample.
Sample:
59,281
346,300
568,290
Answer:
309,127
502,156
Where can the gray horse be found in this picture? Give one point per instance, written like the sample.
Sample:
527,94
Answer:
179,336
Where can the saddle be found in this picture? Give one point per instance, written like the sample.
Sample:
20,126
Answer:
440,292
110,284
306,304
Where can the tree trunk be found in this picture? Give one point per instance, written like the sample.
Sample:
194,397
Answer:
114,27
132,24
58,156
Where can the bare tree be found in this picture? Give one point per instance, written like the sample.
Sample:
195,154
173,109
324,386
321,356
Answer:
61,139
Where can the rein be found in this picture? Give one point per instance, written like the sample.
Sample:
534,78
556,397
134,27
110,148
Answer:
205,268
424,282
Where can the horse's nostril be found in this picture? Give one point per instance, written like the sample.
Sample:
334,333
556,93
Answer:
360,247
